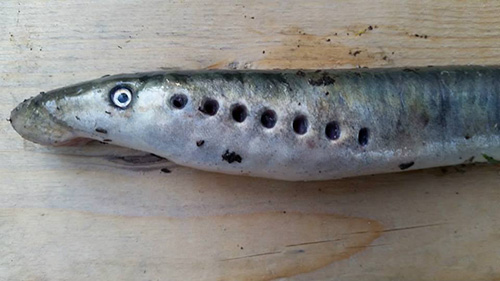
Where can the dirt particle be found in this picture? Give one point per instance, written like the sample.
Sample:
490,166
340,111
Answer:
200,143
107,112
328,40
355,53
404,166
231,157
77,118
166,171
301,73
327,93
101,130
264,51
467,137
324,80
107,140
423,36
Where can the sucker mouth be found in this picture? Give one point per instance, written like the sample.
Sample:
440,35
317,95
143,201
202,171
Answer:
33,121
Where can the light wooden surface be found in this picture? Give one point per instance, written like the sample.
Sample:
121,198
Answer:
99,212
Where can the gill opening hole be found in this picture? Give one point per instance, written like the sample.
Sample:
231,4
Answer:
363,136
300,124
268,118
332,130
209,106
179,101
239,113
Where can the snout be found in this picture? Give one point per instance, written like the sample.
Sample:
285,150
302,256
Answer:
33,120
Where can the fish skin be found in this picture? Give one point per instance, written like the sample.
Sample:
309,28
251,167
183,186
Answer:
415,118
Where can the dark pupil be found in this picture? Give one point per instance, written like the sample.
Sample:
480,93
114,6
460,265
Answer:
123,98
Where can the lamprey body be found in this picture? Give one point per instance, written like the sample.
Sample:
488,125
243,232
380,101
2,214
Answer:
289,125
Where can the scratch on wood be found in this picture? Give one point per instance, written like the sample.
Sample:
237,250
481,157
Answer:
412,227
251,256
314,242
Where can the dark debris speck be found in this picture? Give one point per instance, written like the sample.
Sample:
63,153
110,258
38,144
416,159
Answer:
355,53
324,80
404,166
101,130
231,157
166,171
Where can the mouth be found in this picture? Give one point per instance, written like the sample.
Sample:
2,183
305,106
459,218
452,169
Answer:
33,120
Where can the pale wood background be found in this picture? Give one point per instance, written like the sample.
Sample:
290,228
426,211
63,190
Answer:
103,213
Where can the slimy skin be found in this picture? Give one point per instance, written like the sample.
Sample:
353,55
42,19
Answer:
328,124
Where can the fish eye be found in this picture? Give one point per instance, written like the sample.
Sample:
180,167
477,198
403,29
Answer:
121,96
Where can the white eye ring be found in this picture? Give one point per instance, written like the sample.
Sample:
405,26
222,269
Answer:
121,97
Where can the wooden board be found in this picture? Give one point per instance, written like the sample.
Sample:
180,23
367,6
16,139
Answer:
100,212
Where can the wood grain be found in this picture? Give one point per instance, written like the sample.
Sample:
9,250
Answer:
100,212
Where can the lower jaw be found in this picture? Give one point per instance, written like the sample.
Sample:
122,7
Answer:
74,142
